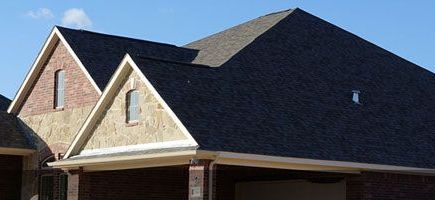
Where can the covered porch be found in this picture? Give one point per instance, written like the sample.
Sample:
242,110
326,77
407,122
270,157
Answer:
201,175
193,182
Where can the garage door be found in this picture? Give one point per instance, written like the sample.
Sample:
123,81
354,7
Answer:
290,190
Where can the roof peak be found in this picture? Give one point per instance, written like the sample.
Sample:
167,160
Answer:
281,11
218,48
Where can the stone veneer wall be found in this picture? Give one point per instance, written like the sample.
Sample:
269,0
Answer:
57,127
154,125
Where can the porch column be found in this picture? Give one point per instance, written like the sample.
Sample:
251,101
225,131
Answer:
78,185
199,177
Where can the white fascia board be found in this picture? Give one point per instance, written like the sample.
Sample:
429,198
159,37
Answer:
251,159
135,148
49,42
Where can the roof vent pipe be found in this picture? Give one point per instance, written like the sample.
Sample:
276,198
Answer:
355,97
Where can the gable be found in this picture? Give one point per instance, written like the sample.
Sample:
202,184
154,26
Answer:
79,91
55,128
154,126
40,62
158,127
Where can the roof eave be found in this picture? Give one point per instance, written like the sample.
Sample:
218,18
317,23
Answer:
16,151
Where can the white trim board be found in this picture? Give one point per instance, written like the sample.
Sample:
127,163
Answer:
253,160
37,65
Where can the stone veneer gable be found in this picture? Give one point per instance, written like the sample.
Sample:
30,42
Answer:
155,124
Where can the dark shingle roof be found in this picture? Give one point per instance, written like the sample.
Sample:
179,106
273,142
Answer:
4,103
288,93
11,133
220,47
102,53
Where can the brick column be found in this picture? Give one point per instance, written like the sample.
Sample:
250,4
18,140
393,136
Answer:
354,187
199,180
78,185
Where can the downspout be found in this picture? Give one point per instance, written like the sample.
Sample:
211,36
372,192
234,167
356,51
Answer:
210,177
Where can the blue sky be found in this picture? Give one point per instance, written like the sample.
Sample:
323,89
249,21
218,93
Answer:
404,27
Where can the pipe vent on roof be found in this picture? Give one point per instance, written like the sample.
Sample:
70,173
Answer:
355,97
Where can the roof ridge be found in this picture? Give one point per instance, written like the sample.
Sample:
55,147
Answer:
121,37
278,12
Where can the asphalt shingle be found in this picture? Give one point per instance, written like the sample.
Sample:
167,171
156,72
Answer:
284,89
12,134
4,103
289,93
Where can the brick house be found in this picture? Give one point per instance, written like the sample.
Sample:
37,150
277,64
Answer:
282,106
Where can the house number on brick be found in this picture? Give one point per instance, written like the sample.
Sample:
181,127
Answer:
195,192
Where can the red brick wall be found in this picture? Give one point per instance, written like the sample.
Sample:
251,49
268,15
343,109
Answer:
228,176
383,186
365,186
10,177
172,183
78,89
166,183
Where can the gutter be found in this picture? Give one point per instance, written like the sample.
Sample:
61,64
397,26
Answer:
235,159
16,151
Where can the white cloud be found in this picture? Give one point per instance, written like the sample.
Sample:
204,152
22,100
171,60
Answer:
76,18
41,13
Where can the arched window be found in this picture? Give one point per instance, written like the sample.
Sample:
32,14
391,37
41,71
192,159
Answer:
59,89
132,106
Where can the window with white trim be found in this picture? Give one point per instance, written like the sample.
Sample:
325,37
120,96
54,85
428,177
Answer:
132,106
59,89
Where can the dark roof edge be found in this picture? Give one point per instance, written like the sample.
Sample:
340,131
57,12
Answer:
245,22
281,11
122,37
371,43
173,61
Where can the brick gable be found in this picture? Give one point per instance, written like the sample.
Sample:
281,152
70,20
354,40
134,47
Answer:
79,91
